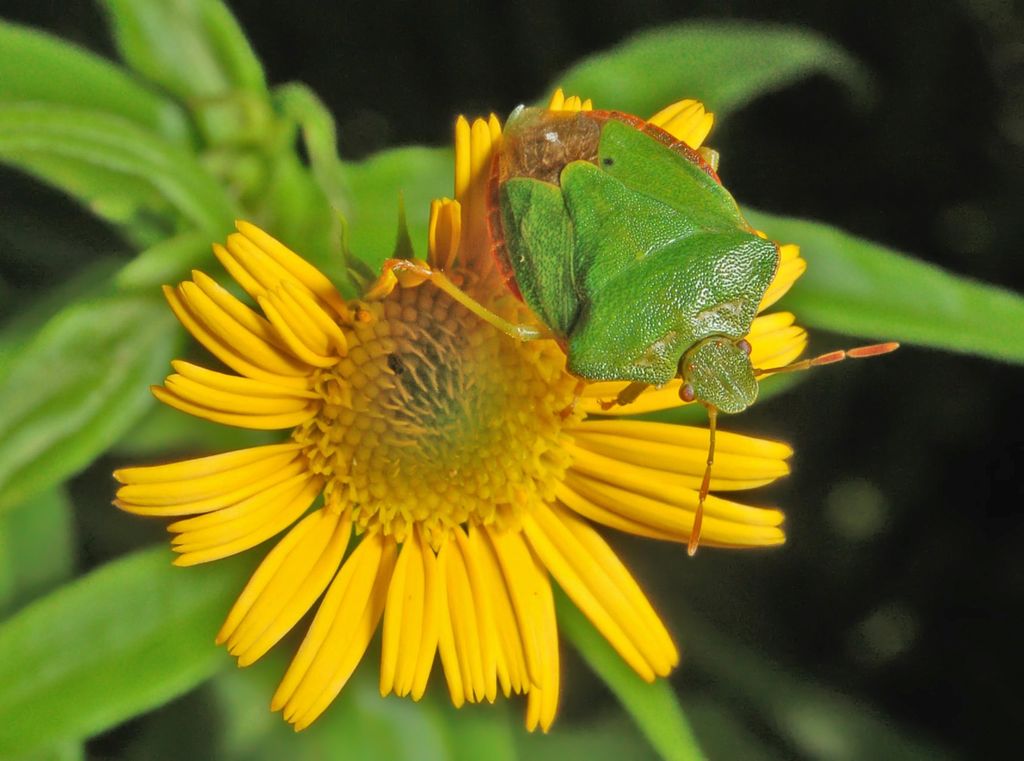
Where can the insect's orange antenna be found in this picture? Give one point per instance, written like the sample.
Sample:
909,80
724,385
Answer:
860,352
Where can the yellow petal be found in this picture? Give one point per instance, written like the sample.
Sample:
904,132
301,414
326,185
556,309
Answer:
462,625
444,232
227,495
200,394
312,279
685,120
791,267
676,447
269,422
235,334
340,633
291,588
188,471
593,577
510,660
725,524
296,330
227,353
247,531
411,621
238,384
238,311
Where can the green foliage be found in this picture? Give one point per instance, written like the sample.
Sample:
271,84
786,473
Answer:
80,383
814,720
121,171
725,65
37,548
359,726
654,707
418,175
37,67
192,48
165,261
862,288
108,646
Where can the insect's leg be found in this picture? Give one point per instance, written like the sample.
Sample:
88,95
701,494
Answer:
577,393
705,484
626,396
417,271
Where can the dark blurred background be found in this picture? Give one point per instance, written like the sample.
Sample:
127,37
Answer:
902,581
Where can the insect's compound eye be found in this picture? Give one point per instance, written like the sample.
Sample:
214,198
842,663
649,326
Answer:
686,393
743,345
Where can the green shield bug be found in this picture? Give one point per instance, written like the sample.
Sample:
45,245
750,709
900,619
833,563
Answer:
623,242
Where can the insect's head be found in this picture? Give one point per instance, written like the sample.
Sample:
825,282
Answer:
717,371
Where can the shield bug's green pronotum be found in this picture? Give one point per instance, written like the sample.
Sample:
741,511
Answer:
638,262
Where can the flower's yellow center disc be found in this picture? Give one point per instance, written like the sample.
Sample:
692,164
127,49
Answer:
435,418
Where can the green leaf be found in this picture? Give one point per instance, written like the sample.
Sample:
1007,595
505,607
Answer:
119,641
295,210
606,737
37,67
71,750
91,282
862,288
725,731
168,261
360,725
815,719
724,64
192,48
319,134
654,707
37,548
75,389
196,50
419,175
123,172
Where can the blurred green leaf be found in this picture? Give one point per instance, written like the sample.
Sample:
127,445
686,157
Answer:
196,50
121,171
192,48
37,67
480,731
319,133
724,64
37,548
654,707
168,261
80,383
360,725
93,281
725,731
110,645
607,737
816,720
295,210
862,288
71,750
418,174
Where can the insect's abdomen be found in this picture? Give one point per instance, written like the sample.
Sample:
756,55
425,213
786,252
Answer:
538,143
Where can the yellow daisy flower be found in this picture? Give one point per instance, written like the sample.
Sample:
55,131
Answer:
451,476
